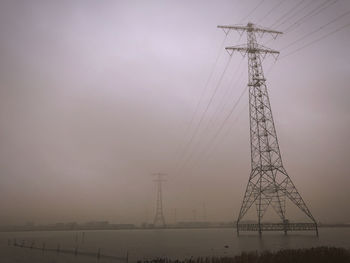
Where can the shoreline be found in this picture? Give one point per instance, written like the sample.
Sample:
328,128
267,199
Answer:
48,228
301,255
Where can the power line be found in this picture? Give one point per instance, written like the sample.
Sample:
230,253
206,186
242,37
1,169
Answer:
229,115
205,89
283,16
219,109
317,30
236,119
270,68
222,125
213,141
232,83
238,115
228,131
310,14
207,107
296,12
209,124
316,40
237,83
271,10
289,11
252,11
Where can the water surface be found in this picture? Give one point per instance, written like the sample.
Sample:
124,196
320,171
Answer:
174,243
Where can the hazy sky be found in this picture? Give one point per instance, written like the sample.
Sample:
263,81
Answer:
97,95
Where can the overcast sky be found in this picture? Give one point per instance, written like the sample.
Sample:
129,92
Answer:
95,96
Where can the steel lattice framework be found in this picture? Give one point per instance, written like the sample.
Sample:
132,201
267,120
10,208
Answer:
269,183
159,217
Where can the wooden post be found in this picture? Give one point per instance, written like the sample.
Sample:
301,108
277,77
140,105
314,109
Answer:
58,248
98,253
43,247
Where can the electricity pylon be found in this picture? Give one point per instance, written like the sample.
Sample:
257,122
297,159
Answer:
159,217
269,183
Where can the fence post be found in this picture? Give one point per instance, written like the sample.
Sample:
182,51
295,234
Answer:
98,253
76,251
127,256
43,246
58,248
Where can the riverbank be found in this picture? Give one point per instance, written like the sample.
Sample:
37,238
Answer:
304,255
76,227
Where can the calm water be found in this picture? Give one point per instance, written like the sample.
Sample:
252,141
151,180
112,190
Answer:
142,244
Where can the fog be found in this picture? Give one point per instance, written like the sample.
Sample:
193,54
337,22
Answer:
95,96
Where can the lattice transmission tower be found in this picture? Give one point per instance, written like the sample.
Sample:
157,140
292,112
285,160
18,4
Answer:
159,217
269,183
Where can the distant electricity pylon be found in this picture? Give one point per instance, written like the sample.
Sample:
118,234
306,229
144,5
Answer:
269,183
159,217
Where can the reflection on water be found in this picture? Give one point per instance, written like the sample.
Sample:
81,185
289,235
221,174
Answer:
276,241
178,243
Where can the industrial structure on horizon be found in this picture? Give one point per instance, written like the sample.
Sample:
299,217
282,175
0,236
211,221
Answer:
159,219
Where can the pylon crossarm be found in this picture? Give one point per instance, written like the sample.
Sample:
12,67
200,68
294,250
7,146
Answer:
243,49
250,28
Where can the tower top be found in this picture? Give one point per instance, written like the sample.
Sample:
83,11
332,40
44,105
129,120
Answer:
159,177
251,46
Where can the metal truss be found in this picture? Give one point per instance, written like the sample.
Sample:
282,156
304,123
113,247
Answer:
159,217
269,183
